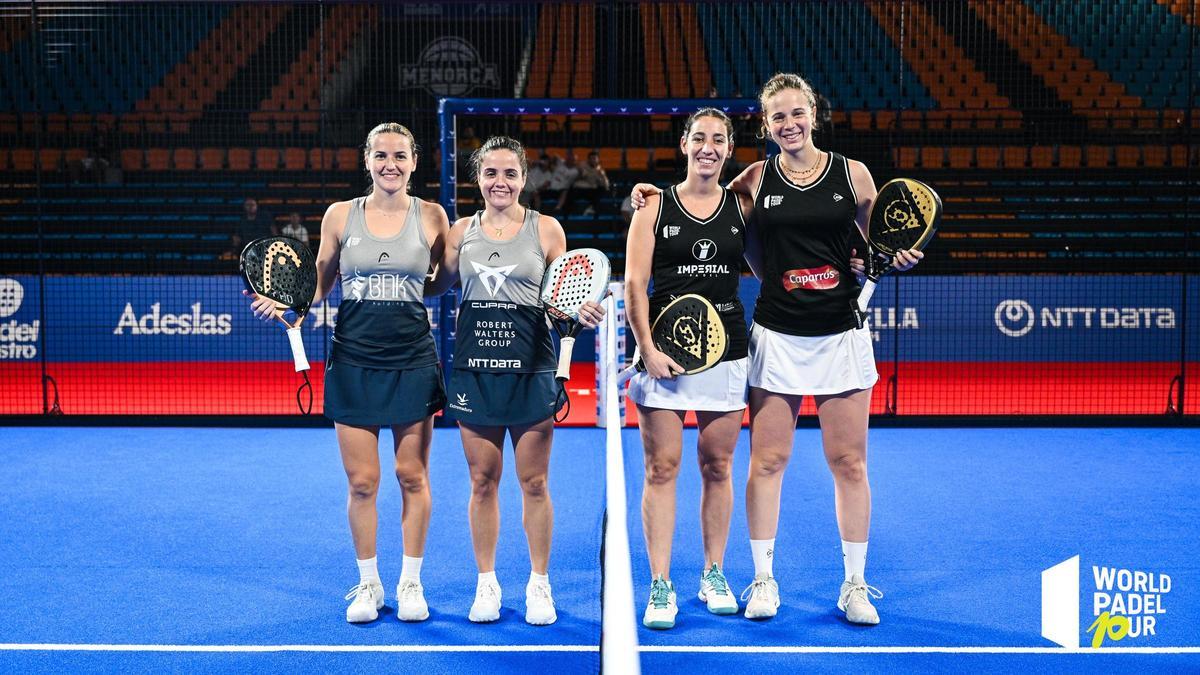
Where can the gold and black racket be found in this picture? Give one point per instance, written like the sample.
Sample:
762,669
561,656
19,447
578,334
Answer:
284,270
690,331
904,216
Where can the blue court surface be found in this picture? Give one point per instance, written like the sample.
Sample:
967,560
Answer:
227,550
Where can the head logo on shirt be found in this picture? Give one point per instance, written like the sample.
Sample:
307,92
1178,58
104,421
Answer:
493,278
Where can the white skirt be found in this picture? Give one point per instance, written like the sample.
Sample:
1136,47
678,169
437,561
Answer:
799,365
721,388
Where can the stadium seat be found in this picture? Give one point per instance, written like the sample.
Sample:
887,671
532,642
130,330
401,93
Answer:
1014,157
131,159
1097,156
1041,157
158,159
987,157
1154,156
239,159
1070,156
321,158
1128,156
51,159
265,159
933,157
22,159
960,157
212,159
348,159
185,159
637,159
294,159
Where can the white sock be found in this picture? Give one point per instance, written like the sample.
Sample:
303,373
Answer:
411,569
763,551
486,577
854,558
535,578
368,570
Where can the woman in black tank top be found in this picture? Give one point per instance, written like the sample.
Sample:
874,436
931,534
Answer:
807,203
402,393
689,240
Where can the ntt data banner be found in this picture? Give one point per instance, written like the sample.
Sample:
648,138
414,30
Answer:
205,318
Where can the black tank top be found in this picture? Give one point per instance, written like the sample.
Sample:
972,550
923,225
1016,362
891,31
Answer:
701,256
807,233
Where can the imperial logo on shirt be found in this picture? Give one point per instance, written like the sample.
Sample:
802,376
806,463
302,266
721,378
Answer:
811,279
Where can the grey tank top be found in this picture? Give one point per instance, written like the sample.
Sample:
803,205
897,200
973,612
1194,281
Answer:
501,324
382,320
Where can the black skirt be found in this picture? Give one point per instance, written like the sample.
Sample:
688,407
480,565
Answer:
502,399
369,397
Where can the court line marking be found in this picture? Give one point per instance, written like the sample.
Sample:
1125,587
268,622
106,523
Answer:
733,649
738,649
52,647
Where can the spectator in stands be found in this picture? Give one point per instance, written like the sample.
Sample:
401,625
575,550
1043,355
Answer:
383,366
591,185
538,180
295,228
562,177
255,223
94,165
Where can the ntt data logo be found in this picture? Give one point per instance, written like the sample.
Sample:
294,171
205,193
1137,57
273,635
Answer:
1016,318
1126,606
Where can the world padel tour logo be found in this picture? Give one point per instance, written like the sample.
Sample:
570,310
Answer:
18,340
449,66
1126,606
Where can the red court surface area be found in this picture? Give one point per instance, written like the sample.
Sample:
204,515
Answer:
269,388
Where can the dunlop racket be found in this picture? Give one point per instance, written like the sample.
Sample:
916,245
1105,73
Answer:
690,331
572,279
284,270
904,216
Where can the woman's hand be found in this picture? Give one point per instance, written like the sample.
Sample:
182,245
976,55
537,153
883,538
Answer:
590,314
906,260
858,266
637,196
263,307
659,365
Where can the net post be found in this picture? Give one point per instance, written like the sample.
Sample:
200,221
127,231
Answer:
618,637
612,328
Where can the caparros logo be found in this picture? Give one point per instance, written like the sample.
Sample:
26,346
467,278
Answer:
812,278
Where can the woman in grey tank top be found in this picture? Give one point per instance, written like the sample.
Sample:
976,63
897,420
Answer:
503,375
383,367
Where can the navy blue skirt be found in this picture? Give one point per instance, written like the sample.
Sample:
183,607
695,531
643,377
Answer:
368,397
502,399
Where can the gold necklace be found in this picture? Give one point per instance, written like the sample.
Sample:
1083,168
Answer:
801,174
499,229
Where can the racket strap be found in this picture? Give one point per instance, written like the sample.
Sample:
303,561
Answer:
562,403
304,395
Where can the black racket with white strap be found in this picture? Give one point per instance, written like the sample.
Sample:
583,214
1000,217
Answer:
285,271
904,216
690,331
575,277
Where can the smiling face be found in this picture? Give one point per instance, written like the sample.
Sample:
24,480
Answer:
789,119
501,177
706,146
391,162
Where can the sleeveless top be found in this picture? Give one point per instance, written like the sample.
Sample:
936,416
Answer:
501,324
701,256
806,233
382,321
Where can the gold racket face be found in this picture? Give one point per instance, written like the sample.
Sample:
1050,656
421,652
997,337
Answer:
904,216
691,332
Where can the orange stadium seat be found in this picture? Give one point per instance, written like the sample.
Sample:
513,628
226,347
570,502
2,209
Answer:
1128,156
885,119
637,159
212,159
22,159
1014,157
321,158
239,159
610,158
1070,156
185,159
1041,157
295,159
933,157
1179,155
987,157
348,159
1154,156
960,157
131,159
905,158
51,159
1097,156
4,159
746,155
265,159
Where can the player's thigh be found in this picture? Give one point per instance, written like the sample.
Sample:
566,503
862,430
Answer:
718,436
359,448
844,418
772,423
410,443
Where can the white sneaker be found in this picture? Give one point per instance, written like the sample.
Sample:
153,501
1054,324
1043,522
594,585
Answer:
661,610
539,604
410,601
367,601
855,601
764,597
714,591
487,603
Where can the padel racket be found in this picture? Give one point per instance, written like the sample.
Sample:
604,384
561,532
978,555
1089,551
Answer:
904,216
690,331
284,270
572,279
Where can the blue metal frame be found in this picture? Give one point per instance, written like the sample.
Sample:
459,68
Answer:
448,108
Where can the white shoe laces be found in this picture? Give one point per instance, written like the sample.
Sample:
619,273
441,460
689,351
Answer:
487,592
365,589
860,593
757,588
409,591
540,593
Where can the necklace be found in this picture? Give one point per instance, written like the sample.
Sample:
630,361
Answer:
801,174
499,229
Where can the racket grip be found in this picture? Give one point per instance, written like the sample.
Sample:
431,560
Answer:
297,342
864,296
565,347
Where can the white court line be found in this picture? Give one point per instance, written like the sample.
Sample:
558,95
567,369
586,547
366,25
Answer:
697,649
48,647
737,649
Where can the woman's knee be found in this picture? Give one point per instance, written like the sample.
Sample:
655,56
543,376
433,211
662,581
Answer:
661,470
715,469
412,477
849,467
363,485
535,486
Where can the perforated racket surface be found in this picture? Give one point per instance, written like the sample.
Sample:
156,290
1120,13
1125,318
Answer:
285,271
282,269
904,216
690,331
573,278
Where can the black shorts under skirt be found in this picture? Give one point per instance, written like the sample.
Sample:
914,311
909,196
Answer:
502,399
368,397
